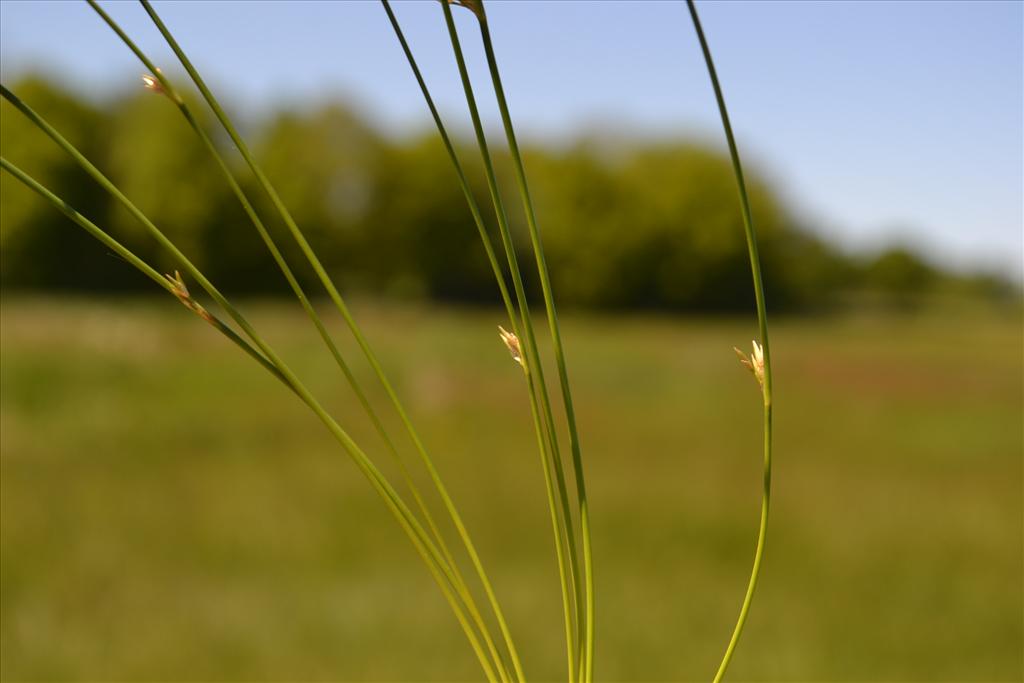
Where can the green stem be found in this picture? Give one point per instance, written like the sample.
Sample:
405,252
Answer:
328,285
133,260
307,306
762,319
467,191
246,205
557,528
534,364
495,267
421,541
556,337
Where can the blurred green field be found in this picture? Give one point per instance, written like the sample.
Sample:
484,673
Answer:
169,512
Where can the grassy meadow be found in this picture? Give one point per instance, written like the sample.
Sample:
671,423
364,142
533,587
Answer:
170,512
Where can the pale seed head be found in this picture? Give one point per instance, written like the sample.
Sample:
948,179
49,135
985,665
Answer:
758,355
512,342
754,362
180,290
152,83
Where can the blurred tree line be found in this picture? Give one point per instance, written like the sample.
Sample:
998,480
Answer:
625,226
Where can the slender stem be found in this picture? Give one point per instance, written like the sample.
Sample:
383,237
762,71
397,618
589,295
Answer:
247,207
332,292
495,267
421,541
534,364
762,319
556,337
467,191
134,260
168,87
557,529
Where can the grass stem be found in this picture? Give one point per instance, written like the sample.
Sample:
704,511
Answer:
556,338
421,541
335,297
307,306
491,257
126,254
762,319
538,387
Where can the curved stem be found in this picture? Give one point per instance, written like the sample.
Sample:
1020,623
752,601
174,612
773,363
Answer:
762,320
546,434
498,276
130,257
335,297
556,338
333,293
449,147
307,306
419,538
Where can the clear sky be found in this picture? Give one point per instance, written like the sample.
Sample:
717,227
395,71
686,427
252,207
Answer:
879,121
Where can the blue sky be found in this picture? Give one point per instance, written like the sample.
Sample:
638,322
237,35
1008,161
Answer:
879,121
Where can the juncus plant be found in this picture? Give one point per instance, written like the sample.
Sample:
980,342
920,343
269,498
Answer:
558,441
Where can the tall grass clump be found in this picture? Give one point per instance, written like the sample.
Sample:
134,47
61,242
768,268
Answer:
576,577
429,518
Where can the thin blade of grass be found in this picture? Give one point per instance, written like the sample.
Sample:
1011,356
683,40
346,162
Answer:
132,259
567,561
307,306
333,293
556,338
428,551
762,320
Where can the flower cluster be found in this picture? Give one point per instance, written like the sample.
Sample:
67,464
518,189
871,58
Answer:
754,362
512,342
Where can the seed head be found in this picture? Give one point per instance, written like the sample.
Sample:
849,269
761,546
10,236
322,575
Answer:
152,83
181,291
754,362
512,342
